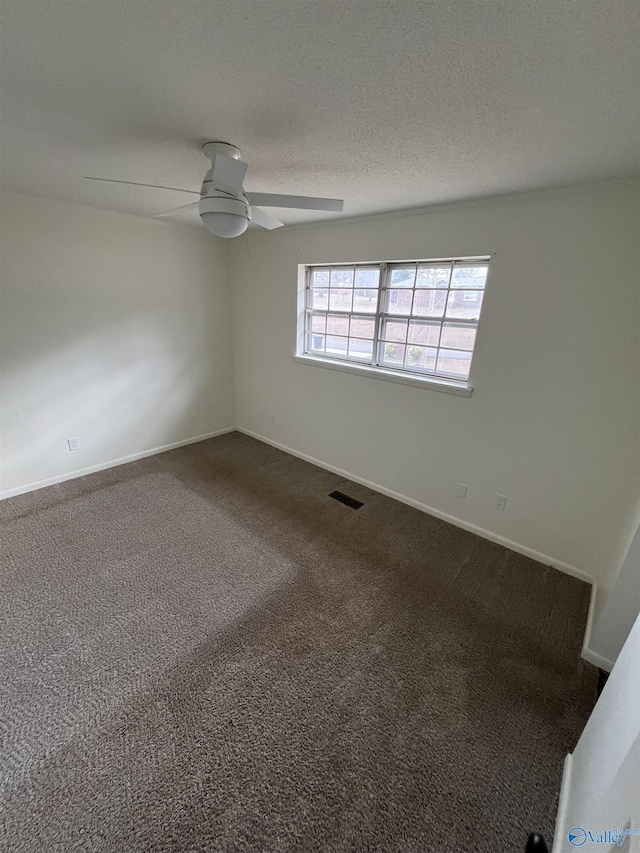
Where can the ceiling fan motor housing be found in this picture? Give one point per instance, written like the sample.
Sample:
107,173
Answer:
224,204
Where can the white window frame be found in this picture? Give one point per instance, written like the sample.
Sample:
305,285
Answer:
404,375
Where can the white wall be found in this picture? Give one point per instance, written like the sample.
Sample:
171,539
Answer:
115,329
553,420
619,611
601,781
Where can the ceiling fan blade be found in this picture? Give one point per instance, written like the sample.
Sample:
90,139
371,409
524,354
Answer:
228,174
136,184
299,201
264,219
176,209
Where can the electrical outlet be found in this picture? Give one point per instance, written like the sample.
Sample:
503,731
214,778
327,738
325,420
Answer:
272,419
461,491
74,443
501,502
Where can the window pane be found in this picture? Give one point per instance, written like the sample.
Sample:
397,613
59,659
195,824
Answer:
458,306
454,362
340,300
365,301
320,299
315,343
399,301
361,328
429,276
423,358
318,323
395,330
428,322
337,325
424,333
361,350
429,303
403,276
471,276
460,337
320,278
337,346
342,278
367,279
393,354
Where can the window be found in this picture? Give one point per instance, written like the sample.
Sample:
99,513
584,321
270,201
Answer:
417,317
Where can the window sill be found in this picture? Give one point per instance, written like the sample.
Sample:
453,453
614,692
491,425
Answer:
433,384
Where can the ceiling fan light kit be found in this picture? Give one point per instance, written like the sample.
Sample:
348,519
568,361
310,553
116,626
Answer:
224,217
224,207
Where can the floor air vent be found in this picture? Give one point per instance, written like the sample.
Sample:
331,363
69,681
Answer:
345,499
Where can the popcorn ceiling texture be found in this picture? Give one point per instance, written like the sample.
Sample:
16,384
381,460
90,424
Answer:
390,105
204,652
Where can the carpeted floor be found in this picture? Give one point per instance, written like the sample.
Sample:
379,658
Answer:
203,652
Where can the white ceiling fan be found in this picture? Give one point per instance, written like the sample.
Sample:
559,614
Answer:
224,206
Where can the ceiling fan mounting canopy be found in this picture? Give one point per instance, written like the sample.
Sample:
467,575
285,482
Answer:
224,206
210,149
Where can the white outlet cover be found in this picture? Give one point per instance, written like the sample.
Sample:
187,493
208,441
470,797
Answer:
461,491
501,501
74,443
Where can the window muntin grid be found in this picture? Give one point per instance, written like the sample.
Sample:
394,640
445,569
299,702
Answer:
412,317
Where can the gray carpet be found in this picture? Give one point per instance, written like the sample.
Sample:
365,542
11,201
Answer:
203,652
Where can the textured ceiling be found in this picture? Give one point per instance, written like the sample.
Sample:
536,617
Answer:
389,105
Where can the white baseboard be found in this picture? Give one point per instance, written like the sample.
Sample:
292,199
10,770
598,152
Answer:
587,652
452,519
545,559
102,466
596,659
560,832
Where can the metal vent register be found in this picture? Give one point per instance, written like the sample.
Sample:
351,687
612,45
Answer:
345,499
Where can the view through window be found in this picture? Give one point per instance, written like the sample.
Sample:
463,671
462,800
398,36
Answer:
413,317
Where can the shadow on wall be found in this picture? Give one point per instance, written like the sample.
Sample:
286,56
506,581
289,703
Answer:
121,387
